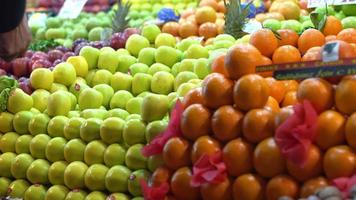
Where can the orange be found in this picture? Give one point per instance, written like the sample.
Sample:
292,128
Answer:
242,59
204,145
290,10
312,185
266,155
346,50
192,20
181,187
205,14
313,54
221,28
186,13
265,61
310,38
290,99
195,122
187,29
250,92
209,41
221,7
217,90
280,186
219,191
171,28
345,96
339,161
211,3
226,123
347,35
286,54
258,125
194,96
276,89
176,153
248,187
272,105
350,131
208,30
311,168
265,41
332,26
330,129
160,175
218,65
282,116
291,85
238,148
318,91
330,38
287,37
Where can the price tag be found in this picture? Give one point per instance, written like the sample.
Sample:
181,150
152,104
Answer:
331,52
319,3
71,9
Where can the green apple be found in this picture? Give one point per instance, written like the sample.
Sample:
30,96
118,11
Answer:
37,172
22,144
74,175
19,101
94,177
72,128
123,51
55,33
55,148
141,83
118,196
292,25
6,119
17,188
90,98
73,113
38,145
40,98
91,55
134,159
114,155
76,195
59,103
220,45
102,76
56,125
133,116
154,107
111,130
224,37
167,55
96,195
64,73
80,65
138,68
121,81
41,78
186,43
133,106
184,77
125,61
98,113
134,132
92,23
187,65
135,181
155,128
155,162
4,184
90,129
157,67
162,83
89,77
165,39
74,150
53,22
147,56
349,22
307,24
34,111
57,192
94,152
175,69
8,141
21,121
150,32
108,60
135,43
118,112
120,99
35,192
197,51
107,93
95,34
117,178
6,160
184,88
58,87
272,24
202,68
79,33
20,165
56,172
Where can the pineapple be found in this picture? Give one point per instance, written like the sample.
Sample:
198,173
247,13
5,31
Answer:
121,20
236,18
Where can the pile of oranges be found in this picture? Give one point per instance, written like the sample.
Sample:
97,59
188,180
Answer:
236,112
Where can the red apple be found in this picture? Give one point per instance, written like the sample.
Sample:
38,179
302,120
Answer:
20,67
54,55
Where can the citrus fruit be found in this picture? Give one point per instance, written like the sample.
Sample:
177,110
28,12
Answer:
204,145
280,186
310,38
218,191
195,122
176,153
226,123
258,125
286,54
350,131
332,26
248,187
347,35
311,186
287,37
181,187
339,161
194,96
265,41
345,96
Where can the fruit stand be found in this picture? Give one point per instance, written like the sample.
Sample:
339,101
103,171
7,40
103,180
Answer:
181,100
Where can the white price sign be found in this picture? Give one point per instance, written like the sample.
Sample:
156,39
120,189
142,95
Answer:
71,8
319,3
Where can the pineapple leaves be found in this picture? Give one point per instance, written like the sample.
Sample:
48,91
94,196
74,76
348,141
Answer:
236,17
121,20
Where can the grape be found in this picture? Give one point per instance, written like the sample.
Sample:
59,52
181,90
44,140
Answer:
26,86
67,55
79,47
78,42
56,62
54,55
62,49
118,41
97,44
29,54
42,63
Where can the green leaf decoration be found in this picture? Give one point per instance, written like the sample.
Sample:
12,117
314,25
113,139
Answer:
236,18
43,45
121,20
7,84
318,19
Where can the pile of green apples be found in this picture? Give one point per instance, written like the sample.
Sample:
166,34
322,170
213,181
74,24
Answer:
79,135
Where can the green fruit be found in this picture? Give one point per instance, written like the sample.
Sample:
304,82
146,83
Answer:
135,43
21,121
56,192
141,83
155,128
107,93
92,23
108,60
38,124
121,81
59,103
95,34
35,192
120,99
20,165
118,112
37,172
4,184
55,33
91,55
184,88
40,99
272,24
94,152
17,188
58,87
162,83
111,130
79,33
56,172
74,175
90,98
80,65
138,68
165,39
117,179
184,77
22,144
6,160
135,180
119,196
76,195
292,25
158,67
98,113
151,32
197,51
134,132
102,76
72,128
41,78
154,107
55,149
114,155
90,129
349,22
56,125
74,150
167,55
147,56
125,61
134,159
38,145
8,141
95,177
19,101
6,122
349,10
133,106
53,22
96,196
155,162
